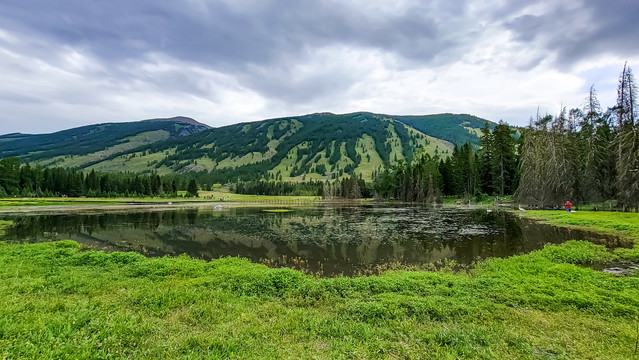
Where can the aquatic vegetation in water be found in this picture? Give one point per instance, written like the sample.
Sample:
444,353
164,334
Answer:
329,241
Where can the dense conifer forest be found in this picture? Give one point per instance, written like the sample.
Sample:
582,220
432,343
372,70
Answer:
18,179
586,155
490,169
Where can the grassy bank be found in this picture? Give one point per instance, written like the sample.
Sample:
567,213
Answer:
62,302
228,196
623,225
6,202
613,223
204,196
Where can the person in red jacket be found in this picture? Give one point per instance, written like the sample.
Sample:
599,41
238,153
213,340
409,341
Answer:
568,206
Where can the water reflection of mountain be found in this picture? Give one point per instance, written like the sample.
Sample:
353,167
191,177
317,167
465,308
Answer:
339,239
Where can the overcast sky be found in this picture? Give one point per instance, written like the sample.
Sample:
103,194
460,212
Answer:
69,63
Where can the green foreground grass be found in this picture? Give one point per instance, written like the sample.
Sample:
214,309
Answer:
59,301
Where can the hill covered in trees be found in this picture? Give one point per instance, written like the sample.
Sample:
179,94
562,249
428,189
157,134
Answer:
310,147
80,146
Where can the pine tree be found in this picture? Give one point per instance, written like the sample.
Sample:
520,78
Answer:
10,174
503,163
191,189
465,169
594,159
627,142
484,161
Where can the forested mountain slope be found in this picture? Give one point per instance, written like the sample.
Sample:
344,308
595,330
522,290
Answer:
315,146
447,126
92,143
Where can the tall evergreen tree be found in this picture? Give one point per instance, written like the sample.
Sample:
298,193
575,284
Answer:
10,174
446,170
627,142
594,159
485,161
191,189
503,162
465,164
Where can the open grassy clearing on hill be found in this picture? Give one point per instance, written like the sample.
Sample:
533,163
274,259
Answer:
128,143
62,302
135,162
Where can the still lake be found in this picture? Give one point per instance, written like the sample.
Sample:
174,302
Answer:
329,240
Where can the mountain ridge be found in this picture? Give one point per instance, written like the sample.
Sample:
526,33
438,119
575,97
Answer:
179,119
312,146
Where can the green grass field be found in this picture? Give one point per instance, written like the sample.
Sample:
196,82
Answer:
231,197
8,202
60,301
614,223
214,195
623,225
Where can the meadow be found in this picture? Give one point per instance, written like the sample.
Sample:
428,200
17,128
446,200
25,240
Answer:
204,196
62,301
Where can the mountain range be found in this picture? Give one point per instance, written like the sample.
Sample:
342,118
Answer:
314,146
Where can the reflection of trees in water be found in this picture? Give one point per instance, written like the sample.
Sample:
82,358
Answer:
338,239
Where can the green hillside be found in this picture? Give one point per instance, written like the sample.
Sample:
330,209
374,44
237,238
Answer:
447,126
315,146
83,145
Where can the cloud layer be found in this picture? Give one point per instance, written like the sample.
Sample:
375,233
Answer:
71,63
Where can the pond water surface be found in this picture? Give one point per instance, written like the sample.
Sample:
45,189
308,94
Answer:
329,240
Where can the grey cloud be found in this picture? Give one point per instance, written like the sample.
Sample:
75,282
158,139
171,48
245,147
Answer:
525,64
20,99
217,35
278,85
277,49
526,27
220,35
575,33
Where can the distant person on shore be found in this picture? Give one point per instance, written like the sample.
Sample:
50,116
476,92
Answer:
568,206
